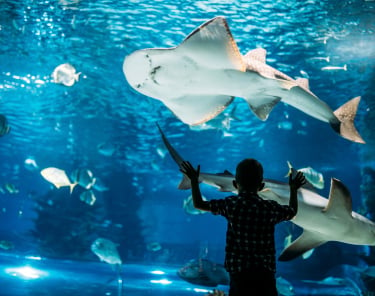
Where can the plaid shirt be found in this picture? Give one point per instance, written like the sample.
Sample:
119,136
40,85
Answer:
250,242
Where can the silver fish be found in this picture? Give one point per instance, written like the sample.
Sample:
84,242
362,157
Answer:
106,250
65,74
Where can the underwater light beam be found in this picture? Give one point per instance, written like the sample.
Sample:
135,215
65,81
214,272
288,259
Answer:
26,272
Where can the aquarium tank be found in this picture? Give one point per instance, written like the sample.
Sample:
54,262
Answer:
101,101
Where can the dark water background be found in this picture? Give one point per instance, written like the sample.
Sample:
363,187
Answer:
62,126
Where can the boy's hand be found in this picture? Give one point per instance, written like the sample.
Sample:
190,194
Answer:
298,181
187,169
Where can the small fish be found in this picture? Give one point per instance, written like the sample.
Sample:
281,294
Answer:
11,188
65,74
189,208
334,68
307,254
57,177
204,272
328,281
106,250
284,287
106,148
154,247
288,240
327,59
83,177
315,178
161,151
30,164
6,245
99,185
88,197
285,125
4,127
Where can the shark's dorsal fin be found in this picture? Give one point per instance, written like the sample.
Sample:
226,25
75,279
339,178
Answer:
303,82
307,241
226,173
258,54
212,43
340,200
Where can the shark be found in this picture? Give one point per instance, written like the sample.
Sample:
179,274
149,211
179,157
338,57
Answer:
203,75
322,219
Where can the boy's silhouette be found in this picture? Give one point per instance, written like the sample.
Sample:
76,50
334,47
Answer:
250,246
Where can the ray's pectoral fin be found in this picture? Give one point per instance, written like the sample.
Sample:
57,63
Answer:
185,108
265,106
307,241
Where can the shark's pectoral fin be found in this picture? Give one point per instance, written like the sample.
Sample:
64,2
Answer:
265,106
307,241
197,109
185,183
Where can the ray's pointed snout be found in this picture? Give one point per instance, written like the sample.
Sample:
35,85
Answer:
136,68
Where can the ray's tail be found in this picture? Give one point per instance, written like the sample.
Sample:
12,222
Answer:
345,127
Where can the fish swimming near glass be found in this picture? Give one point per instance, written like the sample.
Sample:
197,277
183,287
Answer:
312,176
204,272
322,219
106,250
11,188
57,177
207,273
83,177
4,127
88,197
6,245
30,164
65,74
189,208
200,77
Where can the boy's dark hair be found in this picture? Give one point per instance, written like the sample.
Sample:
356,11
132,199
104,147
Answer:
249,173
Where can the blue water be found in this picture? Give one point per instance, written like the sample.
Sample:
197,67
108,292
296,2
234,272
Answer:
60,126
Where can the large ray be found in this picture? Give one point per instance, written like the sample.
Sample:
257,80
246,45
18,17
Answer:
200,77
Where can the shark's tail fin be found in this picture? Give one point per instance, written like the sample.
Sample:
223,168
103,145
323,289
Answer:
346,114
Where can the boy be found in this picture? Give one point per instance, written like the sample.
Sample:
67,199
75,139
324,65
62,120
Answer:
250,246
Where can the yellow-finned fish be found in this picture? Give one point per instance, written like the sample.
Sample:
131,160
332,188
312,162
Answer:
57,177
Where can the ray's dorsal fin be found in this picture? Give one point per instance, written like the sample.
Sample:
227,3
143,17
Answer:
303,82
212,43
258,54
307,241
340,200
